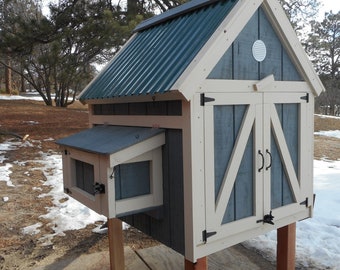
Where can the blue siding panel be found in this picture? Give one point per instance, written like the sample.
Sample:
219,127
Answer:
154,58
238,62
227,124
281,193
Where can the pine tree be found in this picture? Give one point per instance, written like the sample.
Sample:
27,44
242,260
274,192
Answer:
323,45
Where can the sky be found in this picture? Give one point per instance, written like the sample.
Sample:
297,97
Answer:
328,5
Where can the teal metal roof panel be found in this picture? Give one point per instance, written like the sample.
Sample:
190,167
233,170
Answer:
155,57
108,139
173,13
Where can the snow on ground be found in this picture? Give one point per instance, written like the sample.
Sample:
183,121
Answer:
329,133
317,239
29,95
5,169
66,213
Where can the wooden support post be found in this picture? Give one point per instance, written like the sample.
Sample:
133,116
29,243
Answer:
201,264
286,238
116,244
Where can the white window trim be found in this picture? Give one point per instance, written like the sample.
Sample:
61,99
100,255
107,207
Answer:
155,198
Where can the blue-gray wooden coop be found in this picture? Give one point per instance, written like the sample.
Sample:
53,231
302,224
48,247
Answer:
201,128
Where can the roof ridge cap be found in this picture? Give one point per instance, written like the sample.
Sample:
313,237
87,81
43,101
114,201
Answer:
173,13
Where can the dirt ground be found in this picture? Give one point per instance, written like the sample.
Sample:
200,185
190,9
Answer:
42,124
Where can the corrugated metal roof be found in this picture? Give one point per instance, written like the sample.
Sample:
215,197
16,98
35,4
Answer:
173,13
108,139
154,58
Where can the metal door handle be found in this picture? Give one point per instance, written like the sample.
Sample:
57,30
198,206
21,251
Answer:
262,156
270,159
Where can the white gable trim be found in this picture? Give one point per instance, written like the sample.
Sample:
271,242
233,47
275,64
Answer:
192,79
286,33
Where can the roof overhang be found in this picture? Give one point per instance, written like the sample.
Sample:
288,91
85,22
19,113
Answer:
109,140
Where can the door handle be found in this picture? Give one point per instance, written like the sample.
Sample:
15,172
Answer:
270,159
262,157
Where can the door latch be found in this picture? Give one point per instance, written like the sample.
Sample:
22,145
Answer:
99,188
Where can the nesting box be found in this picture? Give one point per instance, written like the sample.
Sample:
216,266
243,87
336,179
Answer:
201,128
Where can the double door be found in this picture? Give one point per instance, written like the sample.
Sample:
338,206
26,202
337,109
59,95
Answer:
254,168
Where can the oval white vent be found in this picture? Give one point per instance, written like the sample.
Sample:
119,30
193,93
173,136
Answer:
259,50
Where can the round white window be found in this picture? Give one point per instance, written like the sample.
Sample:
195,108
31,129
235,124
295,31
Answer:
259,50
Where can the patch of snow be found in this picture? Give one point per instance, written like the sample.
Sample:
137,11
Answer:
32,229
5,199
329,133
30,122
328,116
19,97
100,230
66,213
4,147
4,174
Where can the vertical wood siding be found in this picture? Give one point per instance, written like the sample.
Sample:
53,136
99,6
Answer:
170,107
167,223
227,123
238,62
281,193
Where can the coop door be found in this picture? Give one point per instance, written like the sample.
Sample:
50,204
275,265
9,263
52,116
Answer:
285,122
251,160
233,124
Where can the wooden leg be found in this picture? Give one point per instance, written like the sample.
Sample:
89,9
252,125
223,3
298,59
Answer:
116,244
201,264
286,237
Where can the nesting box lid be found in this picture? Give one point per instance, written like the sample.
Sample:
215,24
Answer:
108,139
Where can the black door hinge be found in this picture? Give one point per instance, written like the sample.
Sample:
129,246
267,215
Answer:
206,235
205,99
305,202
306,97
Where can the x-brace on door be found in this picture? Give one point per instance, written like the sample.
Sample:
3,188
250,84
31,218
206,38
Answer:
253,148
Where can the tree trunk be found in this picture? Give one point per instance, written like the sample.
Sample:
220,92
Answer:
132,8
8,76
22,80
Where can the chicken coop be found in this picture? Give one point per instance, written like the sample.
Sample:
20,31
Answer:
201,128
